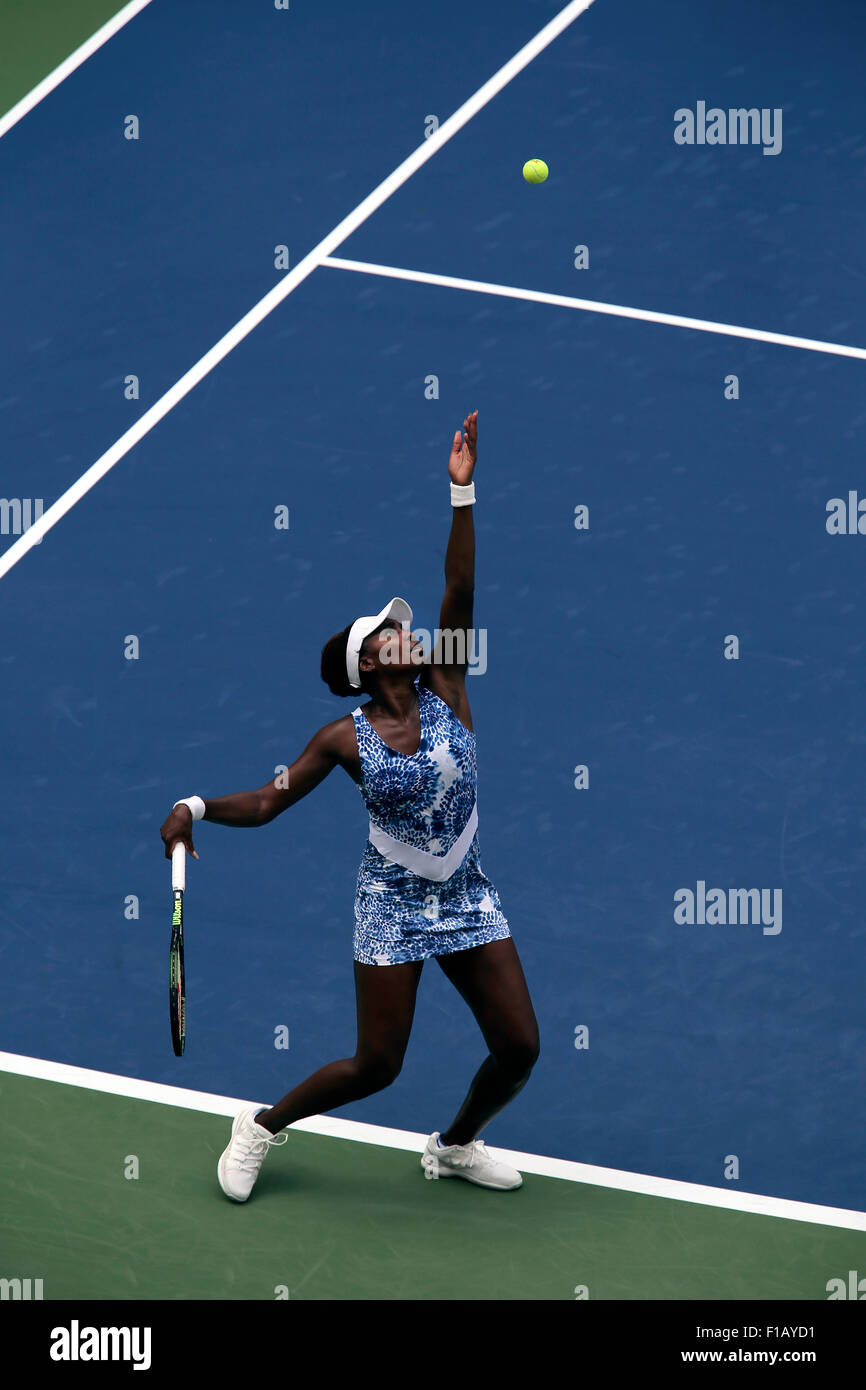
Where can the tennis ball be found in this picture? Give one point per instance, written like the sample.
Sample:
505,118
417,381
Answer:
535,171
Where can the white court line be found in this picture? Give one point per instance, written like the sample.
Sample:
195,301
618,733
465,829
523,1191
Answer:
594,306
265,306
752,1202
69,65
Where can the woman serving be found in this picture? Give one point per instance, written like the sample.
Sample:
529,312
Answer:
421,890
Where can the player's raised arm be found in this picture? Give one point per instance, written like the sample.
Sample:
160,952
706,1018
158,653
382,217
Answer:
451,651
262,805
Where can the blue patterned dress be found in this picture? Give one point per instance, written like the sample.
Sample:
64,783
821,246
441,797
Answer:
421,890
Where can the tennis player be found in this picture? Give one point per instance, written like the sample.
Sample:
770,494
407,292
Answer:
421,891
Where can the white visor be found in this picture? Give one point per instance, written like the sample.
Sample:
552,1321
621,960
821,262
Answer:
362,627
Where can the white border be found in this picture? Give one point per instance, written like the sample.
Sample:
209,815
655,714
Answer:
87,49
595,306
210,1104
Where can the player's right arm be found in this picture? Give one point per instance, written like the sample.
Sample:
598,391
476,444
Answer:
325,750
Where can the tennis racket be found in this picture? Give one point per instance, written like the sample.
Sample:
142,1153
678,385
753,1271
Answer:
177,985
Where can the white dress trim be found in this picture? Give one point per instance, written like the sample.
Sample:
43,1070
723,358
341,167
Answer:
438,867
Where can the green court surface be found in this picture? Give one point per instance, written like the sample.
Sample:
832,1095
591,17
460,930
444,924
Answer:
38,35
343,1220
111,1197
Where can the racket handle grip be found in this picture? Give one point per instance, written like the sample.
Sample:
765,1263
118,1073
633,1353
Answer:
178,866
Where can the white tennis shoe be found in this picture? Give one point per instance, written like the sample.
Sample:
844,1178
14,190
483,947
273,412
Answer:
241,1161
470,1161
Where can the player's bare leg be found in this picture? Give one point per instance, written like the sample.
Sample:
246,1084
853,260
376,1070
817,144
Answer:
385,1002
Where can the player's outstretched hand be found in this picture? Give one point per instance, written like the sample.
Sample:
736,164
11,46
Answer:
462,460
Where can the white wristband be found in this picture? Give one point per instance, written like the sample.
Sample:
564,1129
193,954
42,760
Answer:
195,804
462,496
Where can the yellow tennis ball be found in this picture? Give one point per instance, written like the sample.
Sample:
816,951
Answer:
535,171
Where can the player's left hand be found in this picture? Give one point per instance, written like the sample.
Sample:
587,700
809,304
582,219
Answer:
462,460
